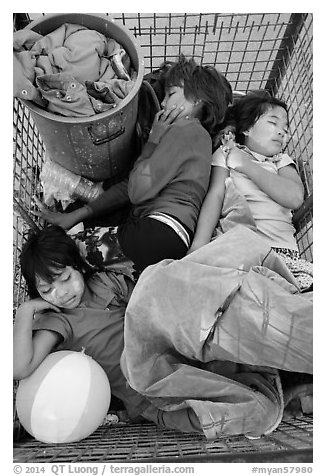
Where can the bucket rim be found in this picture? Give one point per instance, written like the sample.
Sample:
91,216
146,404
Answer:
97,116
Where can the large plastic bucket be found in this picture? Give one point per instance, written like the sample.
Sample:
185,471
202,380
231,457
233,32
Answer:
102,146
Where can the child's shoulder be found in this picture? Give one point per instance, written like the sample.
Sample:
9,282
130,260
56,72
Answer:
105,286
99,279
112,272
109,278
186,122
189,127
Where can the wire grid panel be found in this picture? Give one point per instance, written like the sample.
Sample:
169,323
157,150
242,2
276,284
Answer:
146,442
295,87
28,157
243,46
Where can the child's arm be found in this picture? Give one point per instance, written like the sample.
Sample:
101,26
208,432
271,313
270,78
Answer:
211,209
285,188
65,220
113,198
117,195
30,350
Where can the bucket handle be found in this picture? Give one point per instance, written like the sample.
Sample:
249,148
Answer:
101,133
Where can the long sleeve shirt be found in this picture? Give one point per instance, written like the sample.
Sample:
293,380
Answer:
173,178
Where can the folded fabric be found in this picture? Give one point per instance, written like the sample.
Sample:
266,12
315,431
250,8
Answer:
23,78
111,92
72,50
119,59
65,95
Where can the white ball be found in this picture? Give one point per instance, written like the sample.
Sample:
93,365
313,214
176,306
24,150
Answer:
65,399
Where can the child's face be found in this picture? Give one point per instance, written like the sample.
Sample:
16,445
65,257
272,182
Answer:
269,135
174,96
65,291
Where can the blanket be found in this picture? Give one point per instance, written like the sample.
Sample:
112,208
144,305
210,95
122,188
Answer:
209,331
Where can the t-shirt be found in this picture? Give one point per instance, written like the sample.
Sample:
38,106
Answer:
97,325
273,221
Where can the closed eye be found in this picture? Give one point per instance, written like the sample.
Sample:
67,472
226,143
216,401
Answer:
172,90
44,291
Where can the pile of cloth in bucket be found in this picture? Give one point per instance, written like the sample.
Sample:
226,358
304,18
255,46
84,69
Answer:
72,71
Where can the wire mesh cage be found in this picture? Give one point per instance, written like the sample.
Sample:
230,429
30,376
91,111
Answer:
291,442
254,51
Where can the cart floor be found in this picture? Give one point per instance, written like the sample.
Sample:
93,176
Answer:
290,443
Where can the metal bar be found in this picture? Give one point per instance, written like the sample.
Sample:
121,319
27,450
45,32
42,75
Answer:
22,212
290,35
282,456
302,211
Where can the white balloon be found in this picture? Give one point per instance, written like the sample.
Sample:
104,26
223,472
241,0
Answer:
65,399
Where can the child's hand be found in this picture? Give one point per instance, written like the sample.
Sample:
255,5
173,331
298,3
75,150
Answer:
228,139
65,220
163,119
36,305
26,311
225,138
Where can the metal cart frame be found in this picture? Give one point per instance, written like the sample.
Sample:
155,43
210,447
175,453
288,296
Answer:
255,51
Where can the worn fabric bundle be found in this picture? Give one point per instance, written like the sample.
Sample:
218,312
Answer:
209,332
72,71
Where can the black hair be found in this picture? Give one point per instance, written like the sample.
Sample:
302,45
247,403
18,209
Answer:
48,250
246,110
202,83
